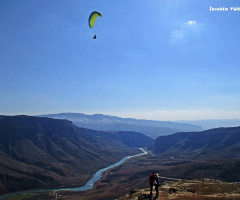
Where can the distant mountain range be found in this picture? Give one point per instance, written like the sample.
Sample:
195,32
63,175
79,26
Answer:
210,144
150,128
213,123
38,152
42,152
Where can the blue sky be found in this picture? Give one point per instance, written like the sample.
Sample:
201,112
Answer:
161,60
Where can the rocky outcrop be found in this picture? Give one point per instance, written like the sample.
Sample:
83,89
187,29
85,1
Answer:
190,190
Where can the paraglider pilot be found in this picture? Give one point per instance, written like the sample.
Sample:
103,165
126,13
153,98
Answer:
92,18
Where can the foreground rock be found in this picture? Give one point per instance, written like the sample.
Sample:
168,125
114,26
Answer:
189,190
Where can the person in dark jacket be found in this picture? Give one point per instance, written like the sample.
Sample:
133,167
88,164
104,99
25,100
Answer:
153,181
156,183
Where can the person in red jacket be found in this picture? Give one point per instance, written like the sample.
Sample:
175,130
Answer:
153,180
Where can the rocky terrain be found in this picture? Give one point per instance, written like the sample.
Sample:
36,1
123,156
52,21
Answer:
38,152
206,189
130,181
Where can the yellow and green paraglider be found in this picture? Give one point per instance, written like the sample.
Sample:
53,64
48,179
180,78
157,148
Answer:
92,18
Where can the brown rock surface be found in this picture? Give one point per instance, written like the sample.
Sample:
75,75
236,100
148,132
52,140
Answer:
190,190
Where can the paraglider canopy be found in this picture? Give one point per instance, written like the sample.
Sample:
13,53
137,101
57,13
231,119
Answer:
92,18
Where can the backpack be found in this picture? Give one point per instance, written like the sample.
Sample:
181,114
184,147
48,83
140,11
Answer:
151,178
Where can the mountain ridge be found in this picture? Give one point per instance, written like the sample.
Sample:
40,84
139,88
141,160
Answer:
102,122
213,123
44,152
212,143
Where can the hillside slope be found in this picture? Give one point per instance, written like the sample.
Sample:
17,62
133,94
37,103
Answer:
40,152
150,128
213,143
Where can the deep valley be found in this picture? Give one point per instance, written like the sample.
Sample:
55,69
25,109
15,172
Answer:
40,152
48,153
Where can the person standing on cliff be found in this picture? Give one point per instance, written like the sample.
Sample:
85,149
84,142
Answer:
153,180
156,183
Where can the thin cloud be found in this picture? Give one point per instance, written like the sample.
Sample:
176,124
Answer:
178,34
190,23
185,30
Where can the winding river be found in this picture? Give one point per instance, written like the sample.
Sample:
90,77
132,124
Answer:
88,186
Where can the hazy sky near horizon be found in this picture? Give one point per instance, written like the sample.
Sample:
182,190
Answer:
152,59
